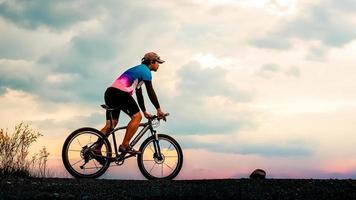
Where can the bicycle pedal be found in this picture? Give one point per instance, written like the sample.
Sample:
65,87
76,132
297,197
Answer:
120,163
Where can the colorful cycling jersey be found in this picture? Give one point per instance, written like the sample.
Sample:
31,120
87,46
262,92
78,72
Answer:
133,78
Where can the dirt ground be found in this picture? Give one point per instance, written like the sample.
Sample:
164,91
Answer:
273,189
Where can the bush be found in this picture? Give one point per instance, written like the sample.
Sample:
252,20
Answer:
14,150
39,164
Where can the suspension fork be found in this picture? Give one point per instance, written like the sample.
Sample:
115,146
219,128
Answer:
156,146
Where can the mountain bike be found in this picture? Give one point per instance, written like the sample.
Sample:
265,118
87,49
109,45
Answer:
161,156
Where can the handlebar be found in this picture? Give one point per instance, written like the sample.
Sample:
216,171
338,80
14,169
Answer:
153,117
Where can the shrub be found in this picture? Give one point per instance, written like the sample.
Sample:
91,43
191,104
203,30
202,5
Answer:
14,150
39,164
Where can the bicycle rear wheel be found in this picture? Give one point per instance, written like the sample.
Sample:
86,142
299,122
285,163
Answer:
166,167
78,156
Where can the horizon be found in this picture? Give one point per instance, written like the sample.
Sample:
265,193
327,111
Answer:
248,84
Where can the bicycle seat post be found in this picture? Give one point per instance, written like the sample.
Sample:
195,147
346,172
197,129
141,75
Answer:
111,125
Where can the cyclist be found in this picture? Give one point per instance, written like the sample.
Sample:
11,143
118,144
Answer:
119,95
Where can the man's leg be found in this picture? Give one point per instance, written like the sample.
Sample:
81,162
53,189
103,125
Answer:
105,130
131,128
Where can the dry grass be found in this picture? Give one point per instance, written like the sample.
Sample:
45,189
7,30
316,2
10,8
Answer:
14,153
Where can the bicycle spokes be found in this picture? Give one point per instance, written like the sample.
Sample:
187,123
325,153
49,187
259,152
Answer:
82,155
163,165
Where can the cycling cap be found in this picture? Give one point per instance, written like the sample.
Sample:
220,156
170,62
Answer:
153,56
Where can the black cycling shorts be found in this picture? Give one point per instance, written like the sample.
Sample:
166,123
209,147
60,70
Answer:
115,98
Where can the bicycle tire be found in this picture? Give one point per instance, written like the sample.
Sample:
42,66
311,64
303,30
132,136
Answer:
140,158
68,141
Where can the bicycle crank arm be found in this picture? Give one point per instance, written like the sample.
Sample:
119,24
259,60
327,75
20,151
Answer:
123,157
82,166
129,156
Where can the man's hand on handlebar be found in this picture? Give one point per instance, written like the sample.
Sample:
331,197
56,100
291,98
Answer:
161,114
147,115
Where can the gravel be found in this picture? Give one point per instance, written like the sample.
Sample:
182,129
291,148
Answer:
268,189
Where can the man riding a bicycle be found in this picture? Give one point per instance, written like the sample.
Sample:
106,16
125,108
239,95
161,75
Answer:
87,152
119,96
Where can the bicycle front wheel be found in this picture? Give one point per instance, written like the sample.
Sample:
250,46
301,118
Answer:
78,153
165,167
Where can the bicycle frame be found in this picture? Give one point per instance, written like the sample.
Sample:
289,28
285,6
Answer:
146,126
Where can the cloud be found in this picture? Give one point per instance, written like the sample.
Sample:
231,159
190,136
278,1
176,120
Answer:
86,61
54,127
198,81
322,22
268,70
277,150
272,69
68,72
207,103
289,149
272,41
206,115
317,53
40,81
37,13
93,52
80,67
59,78
293,71
20,74
54,121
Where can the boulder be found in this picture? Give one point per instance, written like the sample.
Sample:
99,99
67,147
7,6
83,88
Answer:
258,174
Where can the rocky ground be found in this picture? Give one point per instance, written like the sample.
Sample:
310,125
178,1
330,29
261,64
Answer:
273,189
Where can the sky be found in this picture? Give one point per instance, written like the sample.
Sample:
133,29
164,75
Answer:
248,83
